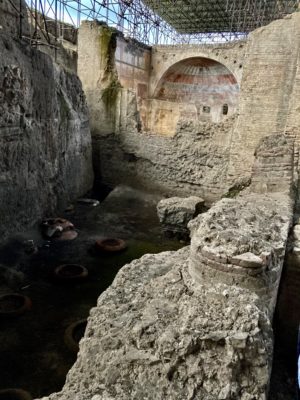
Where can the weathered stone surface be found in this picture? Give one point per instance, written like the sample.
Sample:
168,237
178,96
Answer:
176,212
65,50
13,18
156,335
247,260
270,90
296,232
273,166
296,249
247,237
192,324
190,158
45,141
208,158
191,162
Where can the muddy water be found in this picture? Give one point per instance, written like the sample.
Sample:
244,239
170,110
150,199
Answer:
33,354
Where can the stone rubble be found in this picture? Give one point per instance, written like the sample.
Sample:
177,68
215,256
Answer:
195,324
155,334
176,212
242,242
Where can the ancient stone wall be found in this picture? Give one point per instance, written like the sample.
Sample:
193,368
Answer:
127,148
273,167
97,71
231,55
18,20
55,38
232,244
193,89
265,68
269,85
193,161
133,68
196,323
64,55
45,140
133,65
193,82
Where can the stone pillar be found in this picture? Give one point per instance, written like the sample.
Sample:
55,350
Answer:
96,69
241,242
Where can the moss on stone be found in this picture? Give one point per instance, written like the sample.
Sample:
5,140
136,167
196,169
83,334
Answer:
107,46
111,84
110,94
236,189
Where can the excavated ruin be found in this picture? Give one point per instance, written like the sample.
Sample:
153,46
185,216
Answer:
206,134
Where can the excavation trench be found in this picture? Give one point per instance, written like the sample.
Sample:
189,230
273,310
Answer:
34,354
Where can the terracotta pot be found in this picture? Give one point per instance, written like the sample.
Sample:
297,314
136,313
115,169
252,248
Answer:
64,223
74,333
67,235
59,228
110,245
13,304
14,394
70,272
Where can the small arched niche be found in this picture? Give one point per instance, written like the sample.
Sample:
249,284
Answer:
225,109
196,88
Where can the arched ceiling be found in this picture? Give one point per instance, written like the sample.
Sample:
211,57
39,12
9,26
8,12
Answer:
197,78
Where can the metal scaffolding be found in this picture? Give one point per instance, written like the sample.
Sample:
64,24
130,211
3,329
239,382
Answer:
157,21
223,16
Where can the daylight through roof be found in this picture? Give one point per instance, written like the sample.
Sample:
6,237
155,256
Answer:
163,21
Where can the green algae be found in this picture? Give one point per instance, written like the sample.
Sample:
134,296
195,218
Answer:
112,86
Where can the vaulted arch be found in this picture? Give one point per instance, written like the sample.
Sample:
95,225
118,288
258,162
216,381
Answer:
203,82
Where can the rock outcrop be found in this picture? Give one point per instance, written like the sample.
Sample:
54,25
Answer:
45,140
157,335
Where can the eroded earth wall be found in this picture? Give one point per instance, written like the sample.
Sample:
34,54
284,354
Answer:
45,141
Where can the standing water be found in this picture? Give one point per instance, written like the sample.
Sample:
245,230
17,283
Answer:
283,385
35,353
